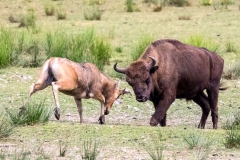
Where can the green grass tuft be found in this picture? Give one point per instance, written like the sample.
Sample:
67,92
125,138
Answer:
138,49
90,149
201,41
6,127
32,113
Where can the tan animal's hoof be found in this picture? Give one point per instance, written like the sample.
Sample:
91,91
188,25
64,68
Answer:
101,120
106,112
57,113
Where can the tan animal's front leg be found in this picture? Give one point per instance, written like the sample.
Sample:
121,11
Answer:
57,111
102,116
79,106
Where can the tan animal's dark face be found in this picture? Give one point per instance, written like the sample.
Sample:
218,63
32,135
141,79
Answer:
113,97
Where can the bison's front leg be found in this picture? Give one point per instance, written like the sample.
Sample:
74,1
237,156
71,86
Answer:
159,117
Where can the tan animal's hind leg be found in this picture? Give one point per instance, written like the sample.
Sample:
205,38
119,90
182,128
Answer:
55,94
79,106
66,85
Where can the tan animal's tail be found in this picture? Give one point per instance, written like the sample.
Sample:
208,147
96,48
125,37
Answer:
45,79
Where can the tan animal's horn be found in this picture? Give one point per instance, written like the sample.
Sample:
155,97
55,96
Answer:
120,70
152,64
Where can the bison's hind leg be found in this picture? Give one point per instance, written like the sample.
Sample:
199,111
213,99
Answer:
202,100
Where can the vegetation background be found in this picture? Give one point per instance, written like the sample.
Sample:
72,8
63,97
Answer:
105,32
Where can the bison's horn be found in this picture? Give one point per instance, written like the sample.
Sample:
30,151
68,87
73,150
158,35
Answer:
152,64
120,70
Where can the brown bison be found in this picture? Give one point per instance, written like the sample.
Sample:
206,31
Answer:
80,80
169,69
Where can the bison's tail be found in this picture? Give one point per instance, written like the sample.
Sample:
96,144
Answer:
223,86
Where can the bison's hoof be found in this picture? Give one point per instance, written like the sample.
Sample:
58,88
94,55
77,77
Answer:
153,122
101,120
57,113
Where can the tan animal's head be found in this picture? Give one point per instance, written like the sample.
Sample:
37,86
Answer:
112,96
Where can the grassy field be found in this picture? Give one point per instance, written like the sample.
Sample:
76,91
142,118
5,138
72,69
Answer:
126,134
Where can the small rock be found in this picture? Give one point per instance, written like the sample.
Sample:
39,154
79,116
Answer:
136,109
215,154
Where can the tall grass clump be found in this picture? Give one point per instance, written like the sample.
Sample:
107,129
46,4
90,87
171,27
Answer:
90,149
201,41
140,46
6,47
92,13
28,20
232,135
63,147
232,71
61,14
6,127
82,47
155,147
32,113
179,3
49,9
230,47
131,6
195,140
205,2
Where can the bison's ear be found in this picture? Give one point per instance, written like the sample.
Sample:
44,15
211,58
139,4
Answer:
153,69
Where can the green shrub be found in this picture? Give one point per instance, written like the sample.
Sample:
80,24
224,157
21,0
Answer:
6,127
61,14
6,47
205,2
32,113
49,10
178,3
140,46
118,49
184,17
232,137
14,18
92,13
230,47
201,41
232,71
83,47
28,20
130,6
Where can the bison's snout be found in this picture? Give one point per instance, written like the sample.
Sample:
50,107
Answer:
142,99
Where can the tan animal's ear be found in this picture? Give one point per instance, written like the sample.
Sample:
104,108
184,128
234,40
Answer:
125,91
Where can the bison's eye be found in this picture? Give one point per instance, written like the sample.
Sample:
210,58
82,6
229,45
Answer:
148,80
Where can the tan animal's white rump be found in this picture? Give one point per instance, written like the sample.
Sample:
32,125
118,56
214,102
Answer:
80,80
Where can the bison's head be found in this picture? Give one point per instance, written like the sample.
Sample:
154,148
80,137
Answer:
139,76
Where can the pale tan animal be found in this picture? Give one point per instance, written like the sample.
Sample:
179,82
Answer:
80,80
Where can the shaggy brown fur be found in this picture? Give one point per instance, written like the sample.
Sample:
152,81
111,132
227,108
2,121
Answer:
80,80
169,69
